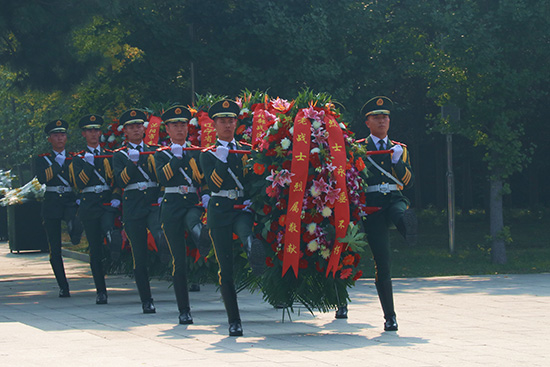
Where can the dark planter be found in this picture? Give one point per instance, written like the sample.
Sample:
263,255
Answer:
25,230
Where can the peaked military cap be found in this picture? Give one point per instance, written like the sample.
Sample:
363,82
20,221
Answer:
224,108
90,122
132,117
176,114
56,126
377,106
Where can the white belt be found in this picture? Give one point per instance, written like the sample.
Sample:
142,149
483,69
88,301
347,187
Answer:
231,194
383,188
59,189
141,186
97,189
183,189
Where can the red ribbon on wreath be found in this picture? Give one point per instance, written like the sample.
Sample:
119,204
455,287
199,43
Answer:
299,167
153,130
341,207
208,133
259,124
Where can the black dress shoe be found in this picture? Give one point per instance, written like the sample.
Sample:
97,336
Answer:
148,306
185,318
64,292
194,288
390,324
235,328
341,312
101,298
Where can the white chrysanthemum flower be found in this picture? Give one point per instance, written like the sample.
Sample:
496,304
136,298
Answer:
111,139
275,126
313,246
326,212
102,139
342,126
145,124
325,253
194,121
311,227
120,127
316,124
315,150
291,130
243,111
285,143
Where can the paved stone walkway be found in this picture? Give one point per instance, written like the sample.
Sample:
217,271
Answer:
500,320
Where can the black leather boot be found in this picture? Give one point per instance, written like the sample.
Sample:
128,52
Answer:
60,277
144,290
182,299
229,296
114,239
385,294
201,239
255,251
408,226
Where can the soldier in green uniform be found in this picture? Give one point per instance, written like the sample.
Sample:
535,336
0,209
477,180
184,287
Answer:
135,174
179,172
226,176
99,199
388,175
59,203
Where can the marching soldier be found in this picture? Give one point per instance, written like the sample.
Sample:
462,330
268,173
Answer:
59,203
179,172
99,201
388,175
135,174
226,177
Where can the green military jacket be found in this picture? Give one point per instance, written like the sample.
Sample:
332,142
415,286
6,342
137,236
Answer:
136,203
86,177
401,170
48,172
221,210
169,172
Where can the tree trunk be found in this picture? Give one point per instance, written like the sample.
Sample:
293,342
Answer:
498,248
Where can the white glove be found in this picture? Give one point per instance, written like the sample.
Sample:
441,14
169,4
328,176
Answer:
77,201
205,198
247,203
89,157
133,154
115,203
159,200
222,153
177,150
397,152
60,159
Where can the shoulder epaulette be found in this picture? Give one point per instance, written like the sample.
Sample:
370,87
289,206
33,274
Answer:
44,155
398,143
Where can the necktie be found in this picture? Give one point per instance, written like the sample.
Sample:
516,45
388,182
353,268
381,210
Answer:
138,148
382,144
96,152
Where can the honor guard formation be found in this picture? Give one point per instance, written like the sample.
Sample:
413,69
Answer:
165,192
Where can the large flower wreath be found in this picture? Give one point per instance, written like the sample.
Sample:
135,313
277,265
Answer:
323,274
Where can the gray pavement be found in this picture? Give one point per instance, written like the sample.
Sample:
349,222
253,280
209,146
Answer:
498,320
